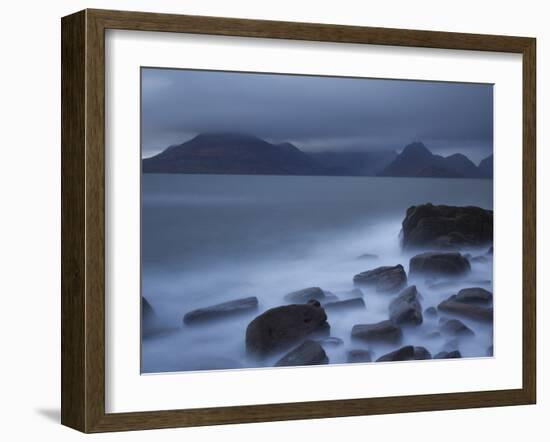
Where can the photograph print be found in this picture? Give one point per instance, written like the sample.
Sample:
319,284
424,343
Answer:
298,220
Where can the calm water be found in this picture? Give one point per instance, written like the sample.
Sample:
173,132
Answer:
208,239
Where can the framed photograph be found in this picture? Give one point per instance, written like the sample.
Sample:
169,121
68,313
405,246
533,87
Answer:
269,220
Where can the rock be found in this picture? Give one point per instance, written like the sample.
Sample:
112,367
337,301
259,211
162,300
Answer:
221,311
474,295
403,354
281,327
355,356
446,263
456,327
304,295
147,312
467,310
448,355
366,256
331,340
433,335
385,331
431,311
451,345
479,259
347,304
490,251
307,353
151,325
490,351
406,309
383,279
354,293
421,353
427,225
329,297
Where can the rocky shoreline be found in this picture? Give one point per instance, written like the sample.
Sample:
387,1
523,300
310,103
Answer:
298,333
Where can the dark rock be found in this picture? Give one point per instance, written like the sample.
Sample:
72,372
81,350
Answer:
307,353
331,340
451,345
479,259
474,295
427,225
329,297
347,304
304,295
467,310
448,355
355,356
456,328
282,327
406,309
366,256
421,353
385,331
151,325
447,264
406,353
490,351
223,310
321,332
490,251
383,279
147,312
431,311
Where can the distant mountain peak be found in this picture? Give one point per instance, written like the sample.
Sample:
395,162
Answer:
416,148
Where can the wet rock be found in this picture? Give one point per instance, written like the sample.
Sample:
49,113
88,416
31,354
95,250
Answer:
472,311
434,263
282,327
383,279
406,309
221,311
385,331
431,311
421,353
406,353
456,327
448,355
345,305
367,256
474,295
355,356
331,340
307,353
427,225
304,295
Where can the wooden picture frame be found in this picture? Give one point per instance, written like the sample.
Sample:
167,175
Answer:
83,220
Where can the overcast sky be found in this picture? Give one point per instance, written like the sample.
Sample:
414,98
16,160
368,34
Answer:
317,113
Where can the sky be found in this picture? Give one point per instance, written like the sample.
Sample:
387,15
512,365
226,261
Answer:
316,113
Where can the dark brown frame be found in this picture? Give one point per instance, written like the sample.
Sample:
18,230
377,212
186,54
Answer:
83,216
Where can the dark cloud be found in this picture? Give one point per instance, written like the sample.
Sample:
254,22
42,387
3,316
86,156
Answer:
316,113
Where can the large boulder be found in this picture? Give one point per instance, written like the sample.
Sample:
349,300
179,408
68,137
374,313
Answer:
221,311
455,327
421,353
345,305
281,327
455,354
383,279
439,264
305,295
444,227
403,354
466,309
359,355
474,295
406,308
307,353
385,331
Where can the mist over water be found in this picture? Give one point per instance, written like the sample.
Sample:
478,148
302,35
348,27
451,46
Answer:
208,239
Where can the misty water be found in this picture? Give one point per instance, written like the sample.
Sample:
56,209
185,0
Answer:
208,239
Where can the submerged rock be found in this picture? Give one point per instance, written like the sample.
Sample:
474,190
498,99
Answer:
305,295
345,305
403,354
421,353
307,353
406,309
431,311
474,295
434,263
282,327
456,327
331,340
468,310
221,311
490,251
383,279
427,225
355,356
385,331
367,256
455,354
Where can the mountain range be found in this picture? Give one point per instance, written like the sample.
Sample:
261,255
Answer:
242,154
